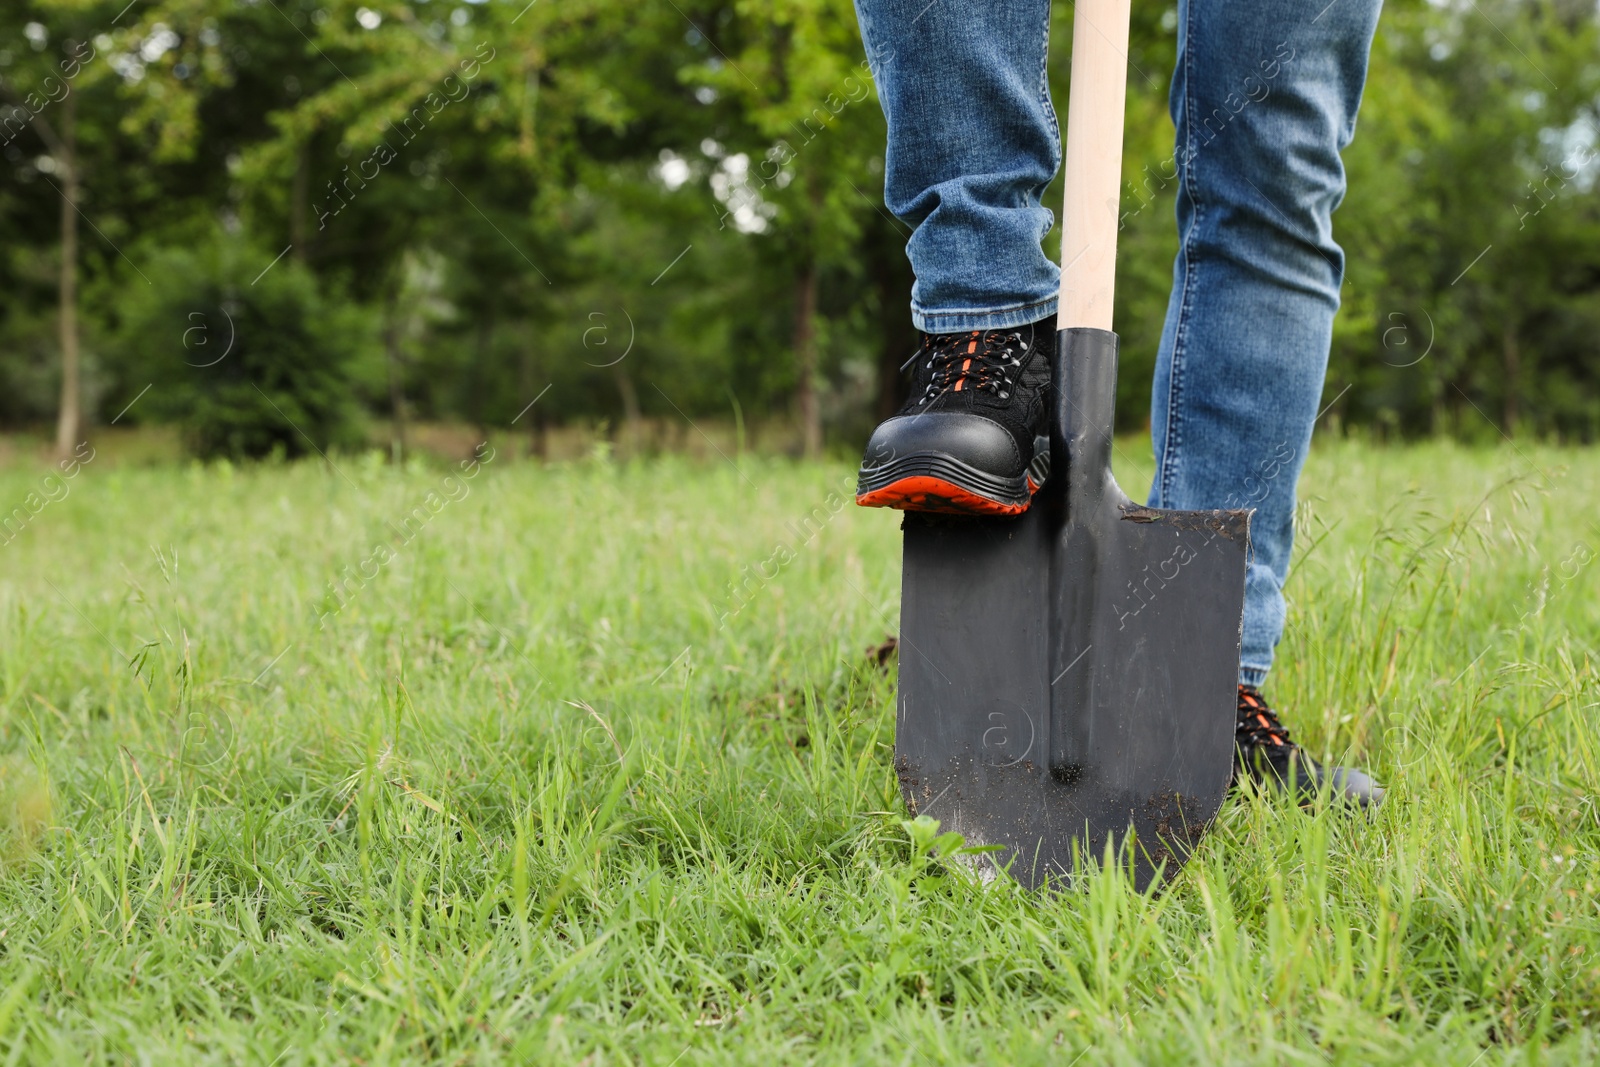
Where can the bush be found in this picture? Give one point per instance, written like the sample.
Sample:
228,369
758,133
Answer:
247,363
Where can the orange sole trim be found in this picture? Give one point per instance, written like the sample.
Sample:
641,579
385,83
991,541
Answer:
925,493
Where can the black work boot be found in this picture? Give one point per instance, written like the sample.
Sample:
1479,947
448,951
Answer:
1268,755
974,438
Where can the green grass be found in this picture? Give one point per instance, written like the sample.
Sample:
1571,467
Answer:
523,799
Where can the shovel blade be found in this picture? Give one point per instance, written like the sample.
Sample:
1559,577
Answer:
1067,677
973,717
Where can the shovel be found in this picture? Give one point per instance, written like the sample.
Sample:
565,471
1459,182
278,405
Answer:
1067,677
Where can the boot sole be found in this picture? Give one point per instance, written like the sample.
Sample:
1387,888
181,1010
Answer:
937,483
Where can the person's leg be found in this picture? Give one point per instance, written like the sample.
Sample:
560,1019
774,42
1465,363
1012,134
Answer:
972,144
1264,97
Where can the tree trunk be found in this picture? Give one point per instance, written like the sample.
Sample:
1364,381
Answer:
632,422
481,386
68,416
536,425
299,192
393,357
1512,353
530,104
898,337
805,357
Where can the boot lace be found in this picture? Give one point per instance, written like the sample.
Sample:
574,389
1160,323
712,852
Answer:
1258,724
977,359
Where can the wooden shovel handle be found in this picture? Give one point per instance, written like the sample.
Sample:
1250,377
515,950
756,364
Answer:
1093,163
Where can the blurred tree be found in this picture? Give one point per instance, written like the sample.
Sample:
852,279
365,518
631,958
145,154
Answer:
672,210
812,134
1471,227
266,361
42,90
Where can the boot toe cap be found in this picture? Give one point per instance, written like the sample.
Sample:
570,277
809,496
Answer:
970,439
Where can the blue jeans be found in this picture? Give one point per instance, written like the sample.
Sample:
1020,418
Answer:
1264,97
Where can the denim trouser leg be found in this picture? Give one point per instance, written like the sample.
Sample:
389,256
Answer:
972,144
1264,97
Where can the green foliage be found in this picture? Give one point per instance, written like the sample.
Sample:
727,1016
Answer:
403,833
494,182
250,360
1472,228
